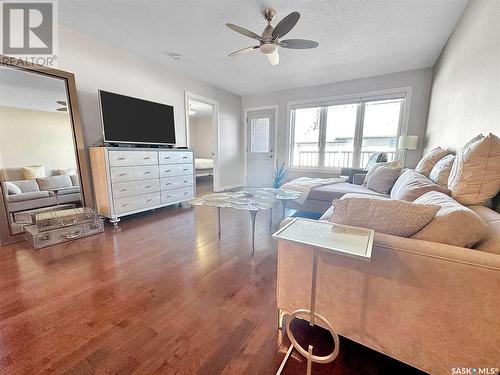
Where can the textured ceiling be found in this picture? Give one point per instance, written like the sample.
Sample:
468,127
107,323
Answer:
357,38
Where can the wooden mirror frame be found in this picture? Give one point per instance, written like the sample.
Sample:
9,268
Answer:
87,197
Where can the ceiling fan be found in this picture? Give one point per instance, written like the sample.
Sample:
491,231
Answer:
270,40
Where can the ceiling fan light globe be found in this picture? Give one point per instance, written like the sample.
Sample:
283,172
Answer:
268,48
273,58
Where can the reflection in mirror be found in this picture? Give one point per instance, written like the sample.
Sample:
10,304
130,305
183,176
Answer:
38,162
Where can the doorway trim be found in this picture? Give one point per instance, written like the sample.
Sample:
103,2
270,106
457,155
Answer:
215,131
245,134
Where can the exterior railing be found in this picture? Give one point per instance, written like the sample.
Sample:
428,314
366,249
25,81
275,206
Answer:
338,158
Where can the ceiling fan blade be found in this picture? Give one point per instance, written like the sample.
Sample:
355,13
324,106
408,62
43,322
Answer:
242,51
273,58
286,24
243,31
298,43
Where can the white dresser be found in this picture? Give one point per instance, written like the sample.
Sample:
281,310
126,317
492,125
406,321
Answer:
131,180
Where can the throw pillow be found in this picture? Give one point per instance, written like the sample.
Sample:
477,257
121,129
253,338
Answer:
54,182
411,185
394,217
33,172
475,174
12,189
454,224
373,168
382,179
428,162
69,171
441,171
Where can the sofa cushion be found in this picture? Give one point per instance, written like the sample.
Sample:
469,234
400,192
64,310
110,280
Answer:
69,190
334,191
12,189
411,185
389,216
382,179
441,171
54,182
26,186
475,175
430,159
454,224
27,196
34,171
491,241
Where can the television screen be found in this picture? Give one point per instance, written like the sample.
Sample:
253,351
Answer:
132,120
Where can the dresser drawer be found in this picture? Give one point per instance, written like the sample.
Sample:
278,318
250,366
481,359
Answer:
127,189
176,195
124,174
175,157
136,202
126,158
176,182
169,170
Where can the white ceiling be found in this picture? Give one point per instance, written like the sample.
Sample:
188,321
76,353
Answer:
357,38
201,109
21,89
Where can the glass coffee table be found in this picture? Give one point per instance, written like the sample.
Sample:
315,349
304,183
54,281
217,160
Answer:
252,200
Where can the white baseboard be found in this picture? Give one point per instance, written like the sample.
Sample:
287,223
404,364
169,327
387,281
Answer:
227,187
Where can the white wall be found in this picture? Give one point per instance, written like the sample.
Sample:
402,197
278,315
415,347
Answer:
29,137
201,134
465,99
419,80
97,65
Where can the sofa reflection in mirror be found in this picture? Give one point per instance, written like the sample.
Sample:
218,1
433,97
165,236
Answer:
38,160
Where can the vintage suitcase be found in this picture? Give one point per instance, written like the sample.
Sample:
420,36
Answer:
39,239
64,218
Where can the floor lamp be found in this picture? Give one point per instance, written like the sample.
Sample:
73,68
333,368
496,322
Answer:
407,142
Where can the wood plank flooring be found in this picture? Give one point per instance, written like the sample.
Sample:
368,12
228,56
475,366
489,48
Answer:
160,295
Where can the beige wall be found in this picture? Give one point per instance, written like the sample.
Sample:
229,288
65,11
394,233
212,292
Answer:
418,80
201,136
29,137
98,65
465,98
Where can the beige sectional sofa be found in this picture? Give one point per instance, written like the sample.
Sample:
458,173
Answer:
432,305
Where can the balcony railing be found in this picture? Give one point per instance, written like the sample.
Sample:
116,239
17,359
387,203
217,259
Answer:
338,158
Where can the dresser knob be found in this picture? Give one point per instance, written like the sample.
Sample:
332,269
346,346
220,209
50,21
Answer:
149,200
185,169
124,204
121,158
148,187
124,189
146,157
167,171
122,174
147,172
184,157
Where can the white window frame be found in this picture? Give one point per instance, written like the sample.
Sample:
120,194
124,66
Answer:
395,93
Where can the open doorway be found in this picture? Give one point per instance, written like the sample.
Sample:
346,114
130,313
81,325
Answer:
201,121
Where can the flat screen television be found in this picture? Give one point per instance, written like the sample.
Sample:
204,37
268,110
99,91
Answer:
136,121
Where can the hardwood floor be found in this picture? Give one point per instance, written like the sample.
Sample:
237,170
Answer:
162,294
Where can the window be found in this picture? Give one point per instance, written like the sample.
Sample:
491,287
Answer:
335,135
259,134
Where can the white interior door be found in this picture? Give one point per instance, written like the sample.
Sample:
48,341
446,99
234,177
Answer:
260,147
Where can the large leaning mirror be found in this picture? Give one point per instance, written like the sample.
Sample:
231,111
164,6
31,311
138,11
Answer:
40,167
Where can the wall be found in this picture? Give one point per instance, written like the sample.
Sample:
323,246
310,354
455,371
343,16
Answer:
465,98
419,80
97,65
201,134
29,137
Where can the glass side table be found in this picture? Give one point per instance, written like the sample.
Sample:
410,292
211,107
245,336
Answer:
322,236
